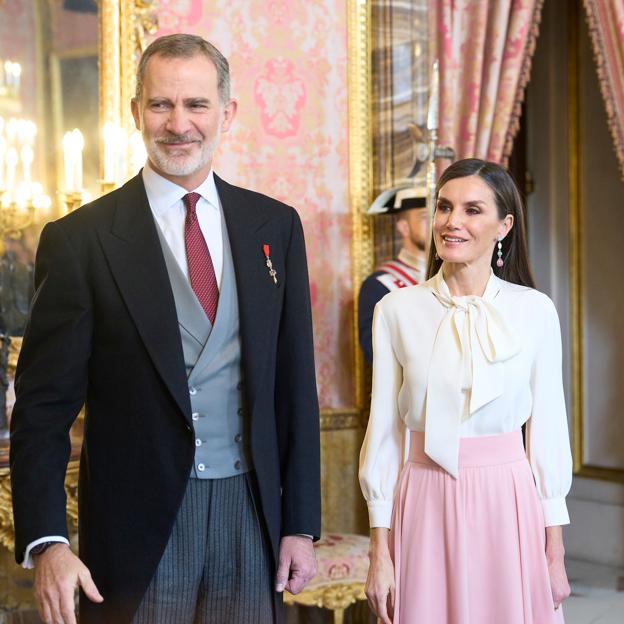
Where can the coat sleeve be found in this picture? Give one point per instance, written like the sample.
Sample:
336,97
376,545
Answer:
296,400
50,388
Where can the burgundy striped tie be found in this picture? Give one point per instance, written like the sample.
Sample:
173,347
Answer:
200,267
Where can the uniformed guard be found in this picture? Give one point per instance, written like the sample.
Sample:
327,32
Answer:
408,203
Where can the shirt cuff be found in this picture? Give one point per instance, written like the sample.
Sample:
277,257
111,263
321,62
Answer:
555,511
28,560
380,514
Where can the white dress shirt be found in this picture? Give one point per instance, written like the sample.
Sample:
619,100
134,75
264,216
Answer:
165,200
455,367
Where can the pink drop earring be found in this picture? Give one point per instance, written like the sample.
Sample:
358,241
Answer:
499,262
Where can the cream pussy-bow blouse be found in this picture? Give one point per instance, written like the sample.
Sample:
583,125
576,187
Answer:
469,366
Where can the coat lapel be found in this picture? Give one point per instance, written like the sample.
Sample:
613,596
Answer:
136,260
257,297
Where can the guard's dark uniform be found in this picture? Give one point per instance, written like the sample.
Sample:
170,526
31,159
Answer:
389,276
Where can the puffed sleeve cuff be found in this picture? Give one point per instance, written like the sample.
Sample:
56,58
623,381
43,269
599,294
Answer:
555,511
380,514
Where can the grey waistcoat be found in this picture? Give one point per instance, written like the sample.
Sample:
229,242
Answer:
213,366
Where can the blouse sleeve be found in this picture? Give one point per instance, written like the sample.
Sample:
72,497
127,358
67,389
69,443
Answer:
381,456
548,444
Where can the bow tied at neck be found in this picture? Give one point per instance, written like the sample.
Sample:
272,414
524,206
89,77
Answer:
472,341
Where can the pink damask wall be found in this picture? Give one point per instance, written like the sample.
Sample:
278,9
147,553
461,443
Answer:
288,60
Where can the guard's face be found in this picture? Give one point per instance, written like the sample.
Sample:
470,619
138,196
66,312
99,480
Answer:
181,117
466,223
415,226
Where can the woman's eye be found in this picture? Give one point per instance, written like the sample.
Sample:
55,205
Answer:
472,211
442,208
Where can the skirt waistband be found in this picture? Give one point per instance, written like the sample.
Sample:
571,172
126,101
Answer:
479,451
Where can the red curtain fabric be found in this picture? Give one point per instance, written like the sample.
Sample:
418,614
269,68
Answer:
606,26
484,48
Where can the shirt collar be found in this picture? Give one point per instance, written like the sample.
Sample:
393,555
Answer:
162,194
492,288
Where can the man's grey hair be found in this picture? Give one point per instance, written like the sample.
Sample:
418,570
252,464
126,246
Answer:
182,45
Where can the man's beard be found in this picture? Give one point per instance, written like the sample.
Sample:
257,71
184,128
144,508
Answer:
184,164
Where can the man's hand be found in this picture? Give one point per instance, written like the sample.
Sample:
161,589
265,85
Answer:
297,563
58,572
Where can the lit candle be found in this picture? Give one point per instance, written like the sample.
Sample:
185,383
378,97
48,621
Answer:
22,131
22,195
11,130
42,205
11,164
110,136
2,153
30,132
78,147
68,161
17,69
28,156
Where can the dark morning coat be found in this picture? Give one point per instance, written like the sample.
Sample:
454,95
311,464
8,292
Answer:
103,331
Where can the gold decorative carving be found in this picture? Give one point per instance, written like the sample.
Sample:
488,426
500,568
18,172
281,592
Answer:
7,530
336,597
335,419
577,277
360,167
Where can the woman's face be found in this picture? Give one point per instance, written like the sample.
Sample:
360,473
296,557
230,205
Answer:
466,224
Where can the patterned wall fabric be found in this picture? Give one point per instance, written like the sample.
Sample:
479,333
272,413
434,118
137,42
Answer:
485,50
290,140
606,26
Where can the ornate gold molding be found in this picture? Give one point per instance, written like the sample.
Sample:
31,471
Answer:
360,167
336,419
7,530
335,597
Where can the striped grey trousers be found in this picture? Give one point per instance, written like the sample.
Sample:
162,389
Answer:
216,566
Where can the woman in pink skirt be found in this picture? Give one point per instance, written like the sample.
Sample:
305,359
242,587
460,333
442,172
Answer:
466,522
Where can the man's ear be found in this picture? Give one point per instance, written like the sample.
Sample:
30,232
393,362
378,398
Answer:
134,106
402,227
229,112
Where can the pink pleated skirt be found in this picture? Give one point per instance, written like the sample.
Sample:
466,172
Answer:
471,550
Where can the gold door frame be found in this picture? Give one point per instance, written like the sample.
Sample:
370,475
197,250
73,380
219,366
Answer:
577,276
